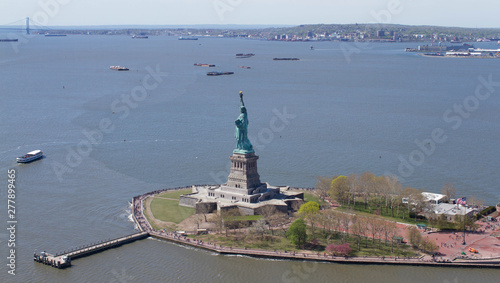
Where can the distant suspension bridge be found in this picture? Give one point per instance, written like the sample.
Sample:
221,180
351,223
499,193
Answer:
22,25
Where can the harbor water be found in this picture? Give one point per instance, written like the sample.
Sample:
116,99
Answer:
108,136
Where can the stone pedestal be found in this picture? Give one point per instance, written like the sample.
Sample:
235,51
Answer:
243,180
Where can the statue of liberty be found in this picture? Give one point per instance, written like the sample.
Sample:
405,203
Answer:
243,144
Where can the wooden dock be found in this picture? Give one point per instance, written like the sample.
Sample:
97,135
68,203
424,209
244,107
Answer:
63,260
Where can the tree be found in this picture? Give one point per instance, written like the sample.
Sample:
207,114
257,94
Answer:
377,227
204,209
218,222
345,221
442,221
414,237
259,227
359,227
229,218
394,190
332,219
379,186
339,250
272,216
367,186
429,245
415,200
323,185
465,221
297,232
339,189
390,231
309,210
475,202
449,191
354,188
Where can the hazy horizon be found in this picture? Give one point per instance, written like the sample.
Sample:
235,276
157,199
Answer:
59,13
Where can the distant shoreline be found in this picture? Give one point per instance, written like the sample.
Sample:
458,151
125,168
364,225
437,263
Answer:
454,56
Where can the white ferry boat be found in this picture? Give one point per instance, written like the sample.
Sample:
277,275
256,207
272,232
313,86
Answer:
30,156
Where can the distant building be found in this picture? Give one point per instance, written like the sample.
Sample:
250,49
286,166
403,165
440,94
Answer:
380,33
449,210
434,198
431,198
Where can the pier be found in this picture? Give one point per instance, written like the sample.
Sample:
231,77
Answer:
63,260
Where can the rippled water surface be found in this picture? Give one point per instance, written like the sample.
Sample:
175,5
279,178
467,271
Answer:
332,112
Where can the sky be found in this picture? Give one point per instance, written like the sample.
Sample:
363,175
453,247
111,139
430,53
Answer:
461,13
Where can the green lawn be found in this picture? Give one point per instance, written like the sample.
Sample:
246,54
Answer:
170,210
277,243
174,194
313,197
361,210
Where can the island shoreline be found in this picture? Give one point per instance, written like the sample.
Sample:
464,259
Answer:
144,225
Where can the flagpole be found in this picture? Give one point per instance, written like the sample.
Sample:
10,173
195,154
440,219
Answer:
464,225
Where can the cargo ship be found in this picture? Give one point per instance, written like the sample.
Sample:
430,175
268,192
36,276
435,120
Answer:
241,55
219,73
286,59
204,65
54,34
8,39
30,156
118,68
140,36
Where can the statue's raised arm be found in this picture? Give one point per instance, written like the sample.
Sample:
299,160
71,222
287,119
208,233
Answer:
241,98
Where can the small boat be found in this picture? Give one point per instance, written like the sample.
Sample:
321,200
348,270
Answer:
219,73
188,38
118,68
244,67
286,59
54,34
204,65
140,36
30,156
241,55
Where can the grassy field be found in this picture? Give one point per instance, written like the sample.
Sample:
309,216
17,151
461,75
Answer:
360,209
170,210
311,197
314,197
272,243
368,248
174,194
